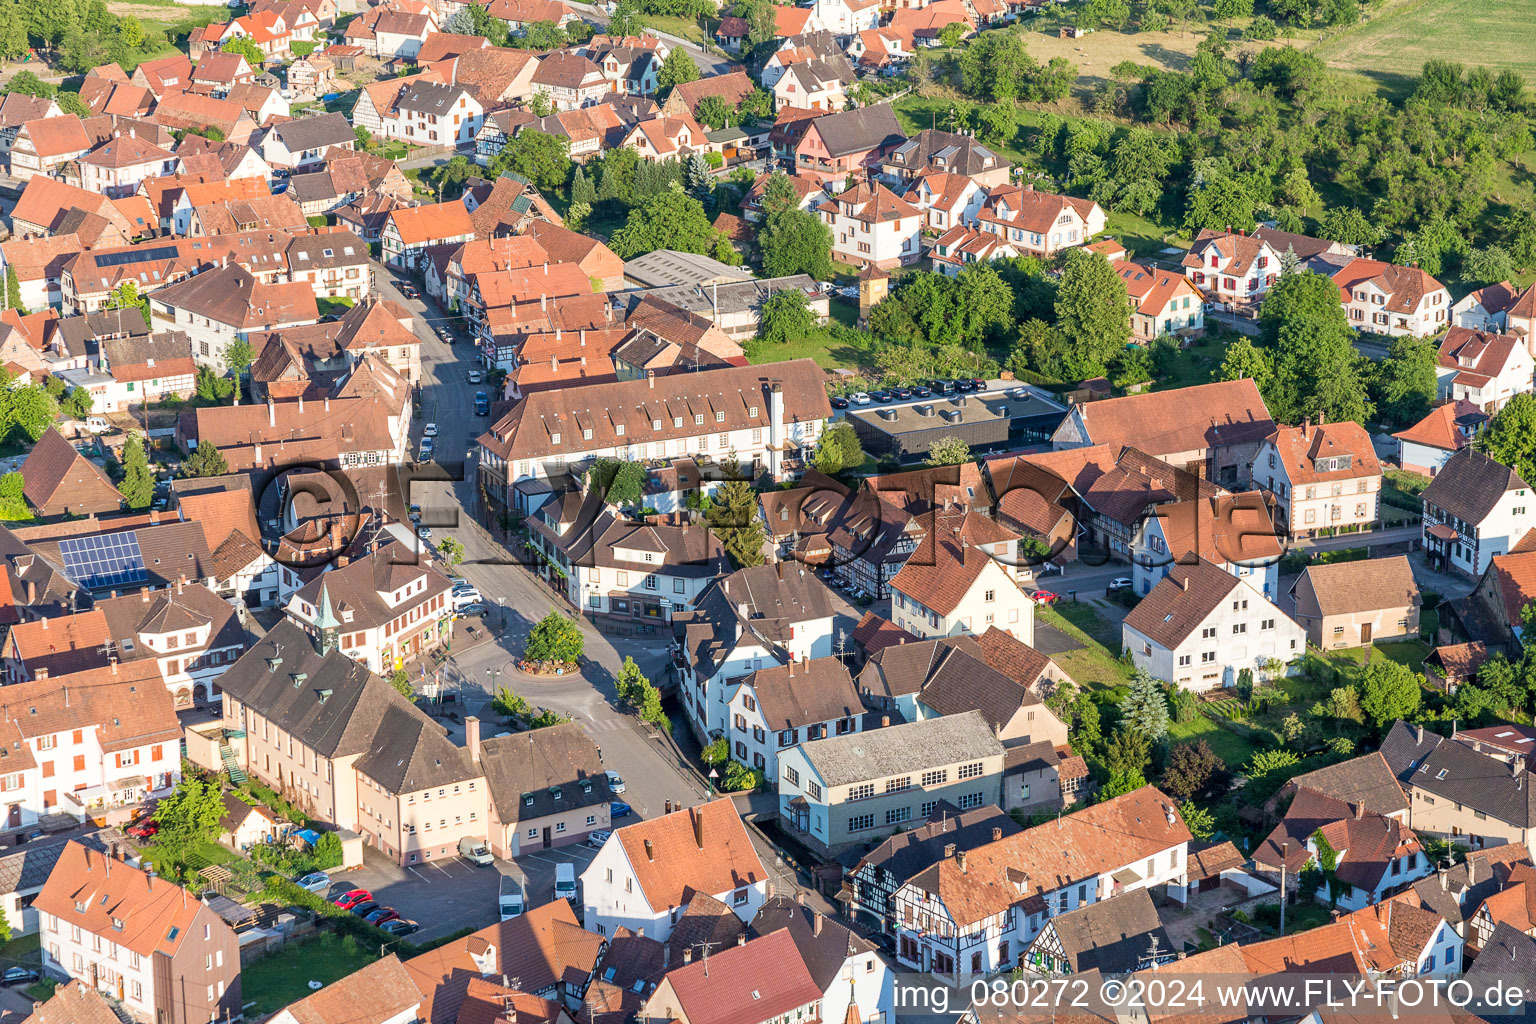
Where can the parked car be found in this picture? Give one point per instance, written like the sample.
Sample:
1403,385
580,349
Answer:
881,395
476,609
482,404
430,430
1120,583
18,976
381,916
475,376
901,393
399,926
352,898
475,851
409,291
839,402
1045,597
565,881
920,391
457,581
146,829
424,532
427,446
965,387
618,809
364,908
597,838
315,881
859,398
615,782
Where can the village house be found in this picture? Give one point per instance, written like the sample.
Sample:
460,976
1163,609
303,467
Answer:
950,203
1234,532
840,145
218,307
1201,626
770,968
163,955
933,151
43,146
60,481
1355,604
1483,368
306,142
845,790
116,167
977,911
434,114
957,580
547,786
338,741
569,81
645,875
409,230
1038,223
1113,936
1231,268
1474,510
871,226
1162,303
1427,445
1324,476
819,83
1461,794
1382,298
773,708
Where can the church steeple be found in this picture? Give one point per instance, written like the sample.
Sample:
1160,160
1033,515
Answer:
327,622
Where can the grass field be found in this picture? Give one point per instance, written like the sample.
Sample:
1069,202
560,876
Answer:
277,980
1393,45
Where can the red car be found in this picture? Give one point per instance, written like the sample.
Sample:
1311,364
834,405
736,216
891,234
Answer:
143,830
353,898
1045,597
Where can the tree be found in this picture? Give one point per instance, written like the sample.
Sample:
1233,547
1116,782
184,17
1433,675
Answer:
1511,438
583,190
1348,225
211,388
1407,380
1145,708
1490,263
677,69
733,517
1200,822
452,551
717,753
28,84
400,679
1092,310
555,638
1242,361
1191,766
542,158
13,290
78,403
671,219
1221,202
364,137
793,241
13,502
620,482
245,48
701,183
785,316
951,34
239,356
838,450
1126,758
138,486
1316,368
127,296
948,450
629,684
713,111
188,817
205,461
1389,691
539,35
510,706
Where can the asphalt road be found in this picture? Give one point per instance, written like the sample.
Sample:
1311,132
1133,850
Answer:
516,600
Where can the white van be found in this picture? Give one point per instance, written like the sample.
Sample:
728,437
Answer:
511,899
565,882
475,851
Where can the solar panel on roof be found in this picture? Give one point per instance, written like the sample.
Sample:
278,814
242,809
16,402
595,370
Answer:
118,259
104,560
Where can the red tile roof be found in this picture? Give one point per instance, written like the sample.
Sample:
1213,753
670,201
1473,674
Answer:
680,864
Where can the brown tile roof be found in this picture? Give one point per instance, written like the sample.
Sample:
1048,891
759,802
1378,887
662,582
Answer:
1405,286
56,136
874,633
1233,528
544,947
55,473
221,513
381,991
1364,586
796,695
487,1002
761,980
1180,602
1449,427
948,560
1366,780
156,914
1188,419
870,205
231,295
698,849
189,110
74,1002
535,763
732,88
1479,356
1329,949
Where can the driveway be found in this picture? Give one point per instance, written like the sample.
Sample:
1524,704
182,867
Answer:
538,871
441,896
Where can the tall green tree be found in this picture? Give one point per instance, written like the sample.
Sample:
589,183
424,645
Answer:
138,486
677,69
188,817
400,679
839,449
1145,707
13,290
1511,438
1092,310
785,316
1317,371
245,48
949,451
128,296
1389,691
1407,381
555,637
733,516
542,158
205,461
13,502
793,241
672,219
620,482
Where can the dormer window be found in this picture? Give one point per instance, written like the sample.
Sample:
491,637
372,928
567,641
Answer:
554,438
752,411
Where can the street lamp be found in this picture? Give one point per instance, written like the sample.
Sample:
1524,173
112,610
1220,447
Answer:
713,775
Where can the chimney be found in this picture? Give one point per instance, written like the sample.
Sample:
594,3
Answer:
697,813
650,378
271,413
815,923
1418,734
301,405
1471,871
997,833
149,879
687,954
1184,583
1306,425
327,403
472,737
1359,811
650,851
960,860
949,850
741,937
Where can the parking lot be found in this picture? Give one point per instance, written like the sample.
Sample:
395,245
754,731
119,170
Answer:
441,896
538,870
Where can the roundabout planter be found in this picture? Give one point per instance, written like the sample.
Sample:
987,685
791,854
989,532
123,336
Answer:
545,668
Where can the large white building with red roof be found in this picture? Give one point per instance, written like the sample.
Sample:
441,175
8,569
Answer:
1162,302
1383,298
1483,368
872,226
1323,476
1040,223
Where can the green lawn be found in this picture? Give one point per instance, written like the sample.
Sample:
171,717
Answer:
338,305
1391,47
829,352
1405,652
21,948
1197,362
277,980
1235,750
1094,665
202,855
685,28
